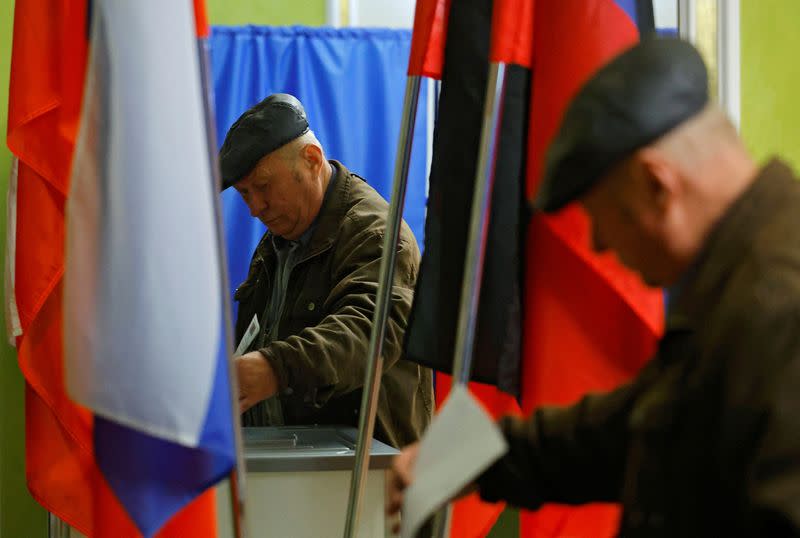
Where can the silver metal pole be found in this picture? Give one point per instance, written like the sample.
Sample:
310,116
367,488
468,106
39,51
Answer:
369,399
687,20
237,479
476,244
479,224
56,528
441,521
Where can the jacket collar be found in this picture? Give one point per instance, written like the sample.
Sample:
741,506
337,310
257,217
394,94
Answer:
332,212
728,244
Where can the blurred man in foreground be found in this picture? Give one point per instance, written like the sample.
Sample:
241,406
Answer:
705,441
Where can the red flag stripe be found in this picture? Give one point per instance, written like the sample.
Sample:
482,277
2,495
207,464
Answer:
201,19
428,39
512,32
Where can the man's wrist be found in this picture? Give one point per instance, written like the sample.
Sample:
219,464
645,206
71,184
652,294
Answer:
279,372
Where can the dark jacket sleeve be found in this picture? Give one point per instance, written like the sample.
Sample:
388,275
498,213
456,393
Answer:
761,425
329,359
774,489
568,455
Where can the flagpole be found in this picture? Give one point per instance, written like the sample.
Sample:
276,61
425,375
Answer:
56,528
476,244
237,476
369,398
479,224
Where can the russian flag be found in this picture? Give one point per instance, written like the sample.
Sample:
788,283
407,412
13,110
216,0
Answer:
145,336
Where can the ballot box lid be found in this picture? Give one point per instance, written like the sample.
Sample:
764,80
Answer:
308,448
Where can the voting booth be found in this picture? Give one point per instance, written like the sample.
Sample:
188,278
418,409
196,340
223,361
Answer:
297,483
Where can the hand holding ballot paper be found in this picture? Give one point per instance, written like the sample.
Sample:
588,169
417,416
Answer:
256,377
429,473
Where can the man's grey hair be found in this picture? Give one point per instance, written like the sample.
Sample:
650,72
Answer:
291,151
700,138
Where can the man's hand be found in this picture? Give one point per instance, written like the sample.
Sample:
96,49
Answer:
257,380
400,477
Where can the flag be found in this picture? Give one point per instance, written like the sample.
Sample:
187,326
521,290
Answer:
41,134
432,324
47,80
426,57
146,343
453,42
431,332
555,320
589,324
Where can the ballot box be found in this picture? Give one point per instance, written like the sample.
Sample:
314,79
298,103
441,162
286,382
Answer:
298,483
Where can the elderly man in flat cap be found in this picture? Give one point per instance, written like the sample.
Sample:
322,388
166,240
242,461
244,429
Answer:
705,441
313,280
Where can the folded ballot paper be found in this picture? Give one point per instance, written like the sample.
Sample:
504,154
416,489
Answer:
461,442
247,338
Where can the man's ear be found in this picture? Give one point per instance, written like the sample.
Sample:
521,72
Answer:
658,180
313,157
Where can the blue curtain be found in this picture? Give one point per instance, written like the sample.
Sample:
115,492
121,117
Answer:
351,82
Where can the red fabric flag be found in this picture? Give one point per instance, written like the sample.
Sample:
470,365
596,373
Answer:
466,26
428,38
469,47
589,324
200,19
47,75
512,32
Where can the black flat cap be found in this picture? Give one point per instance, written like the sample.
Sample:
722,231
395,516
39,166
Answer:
640,95
272,123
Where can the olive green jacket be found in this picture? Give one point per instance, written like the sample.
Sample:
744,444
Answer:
320,350
706,439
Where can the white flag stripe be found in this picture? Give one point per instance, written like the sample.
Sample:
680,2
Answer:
143,316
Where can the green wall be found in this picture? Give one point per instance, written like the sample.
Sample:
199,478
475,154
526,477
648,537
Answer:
771,78
268,12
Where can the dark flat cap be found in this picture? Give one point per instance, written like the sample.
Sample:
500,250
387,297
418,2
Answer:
268,125
640,95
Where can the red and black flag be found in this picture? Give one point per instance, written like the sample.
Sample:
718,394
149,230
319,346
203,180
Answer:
555,320
432,327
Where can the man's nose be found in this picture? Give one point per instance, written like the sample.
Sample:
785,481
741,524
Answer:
256,205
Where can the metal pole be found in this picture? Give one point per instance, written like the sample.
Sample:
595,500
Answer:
687,20
441,521
56,528
369,399
333,13
479,224
237,479
476,244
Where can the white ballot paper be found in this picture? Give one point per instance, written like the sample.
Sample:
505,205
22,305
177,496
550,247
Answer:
461,442
249,335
